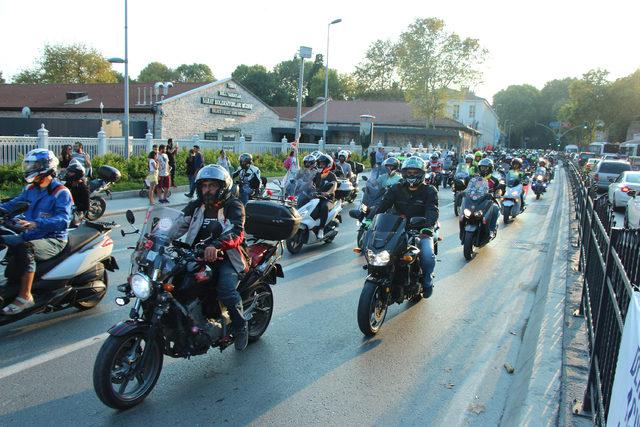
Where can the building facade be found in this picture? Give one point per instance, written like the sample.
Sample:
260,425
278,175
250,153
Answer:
477,113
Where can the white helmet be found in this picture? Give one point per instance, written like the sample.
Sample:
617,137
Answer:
39,162
343,153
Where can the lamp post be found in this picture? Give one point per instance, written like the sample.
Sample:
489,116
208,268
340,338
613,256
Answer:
304,52
125,61
326,85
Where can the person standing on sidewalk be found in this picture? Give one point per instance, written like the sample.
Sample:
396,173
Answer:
83,158
152,177
172,150
223,161
195,162
164,174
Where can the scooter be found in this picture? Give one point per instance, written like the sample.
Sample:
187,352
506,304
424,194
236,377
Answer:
539,185
307,233
512,199
107,175
76,277
474,226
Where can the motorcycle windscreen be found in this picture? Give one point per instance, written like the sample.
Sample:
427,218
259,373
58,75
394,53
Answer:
476,193
513,179
163,223
462,171
385,230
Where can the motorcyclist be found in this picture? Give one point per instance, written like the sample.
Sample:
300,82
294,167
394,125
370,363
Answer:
412,197
485,170
248,177
325,183
304,176
476,159
44,222
343,166
392,177
435,166
75,181
216,203
542,169
517,173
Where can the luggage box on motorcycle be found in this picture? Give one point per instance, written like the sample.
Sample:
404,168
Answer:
109,173
344,189
271,220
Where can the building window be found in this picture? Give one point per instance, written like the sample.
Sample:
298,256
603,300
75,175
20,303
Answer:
472,111
456,112
211,136
226,138
248,138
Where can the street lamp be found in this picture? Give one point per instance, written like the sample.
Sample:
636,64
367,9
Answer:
125,61
326,85
304,52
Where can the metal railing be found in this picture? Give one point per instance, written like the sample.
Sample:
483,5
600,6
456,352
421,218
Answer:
610,264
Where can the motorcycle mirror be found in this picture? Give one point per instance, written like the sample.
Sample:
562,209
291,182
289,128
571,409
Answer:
19,208
418,222
130,217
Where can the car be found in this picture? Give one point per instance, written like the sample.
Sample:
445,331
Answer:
619,190
584,156
607,171
632,213
591,164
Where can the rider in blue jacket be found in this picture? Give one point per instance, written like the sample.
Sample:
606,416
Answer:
45,222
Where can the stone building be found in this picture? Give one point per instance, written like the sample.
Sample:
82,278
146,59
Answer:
222,110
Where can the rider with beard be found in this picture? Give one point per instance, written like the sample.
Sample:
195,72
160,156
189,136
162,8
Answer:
215,203
412,197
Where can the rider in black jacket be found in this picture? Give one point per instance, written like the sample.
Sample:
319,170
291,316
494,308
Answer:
412,197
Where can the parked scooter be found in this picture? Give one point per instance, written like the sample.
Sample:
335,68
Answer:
107,175
76,277
474,226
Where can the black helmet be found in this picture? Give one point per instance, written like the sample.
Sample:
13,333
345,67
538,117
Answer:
516,161
324,162
391,163
413,171
309,161
74,171
245,160
214,173
485,167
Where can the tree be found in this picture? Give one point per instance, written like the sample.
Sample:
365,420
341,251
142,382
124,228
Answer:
156,72
1,79
74,63
431,60
194,73
339,85
517,108
261,82
553,96
376,76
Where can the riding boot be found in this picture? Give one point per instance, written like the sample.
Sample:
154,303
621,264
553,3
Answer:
240,326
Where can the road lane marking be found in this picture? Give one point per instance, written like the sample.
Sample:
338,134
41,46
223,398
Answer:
51,355
316,257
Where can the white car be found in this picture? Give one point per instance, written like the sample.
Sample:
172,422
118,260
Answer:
632,215
619,189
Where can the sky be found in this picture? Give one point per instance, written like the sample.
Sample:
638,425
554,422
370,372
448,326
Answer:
528,42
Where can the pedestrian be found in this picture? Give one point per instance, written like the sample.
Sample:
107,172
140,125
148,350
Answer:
223,161
82,157
372,158
290,161
195,162
65,156
154,148
172,150
164,174
152,177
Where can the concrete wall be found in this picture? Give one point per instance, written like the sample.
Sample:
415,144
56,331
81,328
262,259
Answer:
186,115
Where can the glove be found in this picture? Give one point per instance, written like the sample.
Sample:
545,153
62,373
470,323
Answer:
427,232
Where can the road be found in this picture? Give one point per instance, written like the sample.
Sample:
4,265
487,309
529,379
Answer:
437,362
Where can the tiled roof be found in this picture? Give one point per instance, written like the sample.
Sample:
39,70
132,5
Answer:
395,113
289,113
53,96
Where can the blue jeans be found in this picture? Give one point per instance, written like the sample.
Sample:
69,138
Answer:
245,192
427,260
226,284
192,184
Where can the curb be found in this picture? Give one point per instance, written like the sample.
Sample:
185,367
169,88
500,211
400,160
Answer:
534,394
116,195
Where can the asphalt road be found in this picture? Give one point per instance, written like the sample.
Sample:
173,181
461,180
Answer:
437,362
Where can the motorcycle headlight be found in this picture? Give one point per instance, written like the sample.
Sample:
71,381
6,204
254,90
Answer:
514,193
378,260
141,286
540,177
467,213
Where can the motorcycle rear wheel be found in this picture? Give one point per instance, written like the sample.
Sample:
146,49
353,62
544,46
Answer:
113,371
91,303
97,206
469,254
537,196
294,244
372,308
262,313
506,213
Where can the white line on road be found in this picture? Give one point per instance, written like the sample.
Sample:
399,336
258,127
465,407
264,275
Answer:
317,257
53,354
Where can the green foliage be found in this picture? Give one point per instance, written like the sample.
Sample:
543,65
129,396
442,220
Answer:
156,72
376,76
75,63
194,73
1,78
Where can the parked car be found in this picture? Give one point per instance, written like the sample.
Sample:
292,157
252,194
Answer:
632,214
607,171
619,190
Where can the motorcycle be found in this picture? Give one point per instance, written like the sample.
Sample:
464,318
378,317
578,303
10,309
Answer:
395,274
458,186
76,277
474,227
347,190
372,196
539,184
306,234
107,176
176,312
512,199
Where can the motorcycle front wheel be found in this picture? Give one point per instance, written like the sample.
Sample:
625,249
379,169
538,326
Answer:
467,248
126,370
97,206
372,308
506,213
294,244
